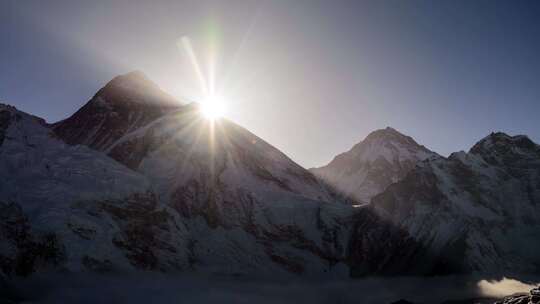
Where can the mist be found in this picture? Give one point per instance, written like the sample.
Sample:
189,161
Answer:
142,287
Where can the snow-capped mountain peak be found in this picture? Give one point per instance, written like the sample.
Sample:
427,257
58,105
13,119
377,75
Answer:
383,157
389,144
479,209
135,87
125,104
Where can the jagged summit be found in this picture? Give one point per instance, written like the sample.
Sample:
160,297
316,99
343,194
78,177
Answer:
390,134
501,148
383,157
5,106
497,140
388,131
384,139
459,205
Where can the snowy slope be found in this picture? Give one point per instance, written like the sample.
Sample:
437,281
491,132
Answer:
74,208
479,211
384,157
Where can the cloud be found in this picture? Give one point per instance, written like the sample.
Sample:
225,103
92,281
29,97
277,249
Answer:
504,287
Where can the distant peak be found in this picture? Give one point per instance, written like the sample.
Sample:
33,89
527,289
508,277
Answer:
389,134
132,79
128,102
386,129
495,140
136,75
497,135
384,142
135,88
501,137
8,110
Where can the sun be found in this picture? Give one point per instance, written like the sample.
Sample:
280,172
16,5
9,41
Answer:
213,107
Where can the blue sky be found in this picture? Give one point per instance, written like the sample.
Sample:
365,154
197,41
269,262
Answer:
311,77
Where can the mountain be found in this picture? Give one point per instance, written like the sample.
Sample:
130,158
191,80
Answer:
479,210
131,181
384,157
472,212
125,104
138,180
180,145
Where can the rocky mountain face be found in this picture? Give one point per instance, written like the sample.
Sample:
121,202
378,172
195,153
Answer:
384,157
479,211
119,187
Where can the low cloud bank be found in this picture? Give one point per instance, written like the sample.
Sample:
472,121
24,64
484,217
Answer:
146,288
504,287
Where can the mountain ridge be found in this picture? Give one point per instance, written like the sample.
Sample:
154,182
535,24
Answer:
481,205
232,204
169,191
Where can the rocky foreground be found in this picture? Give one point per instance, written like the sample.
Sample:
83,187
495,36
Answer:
532,298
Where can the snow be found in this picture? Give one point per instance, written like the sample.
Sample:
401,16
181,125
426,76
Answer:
47,178
489,206
251,209
60,188
384,152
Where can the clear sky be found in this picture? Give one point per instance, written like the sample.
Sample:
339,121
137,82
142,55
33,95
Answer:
310,77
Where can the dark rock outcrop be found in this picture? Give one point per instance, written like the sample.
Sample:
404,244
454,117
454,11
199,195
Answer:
532,298
23,250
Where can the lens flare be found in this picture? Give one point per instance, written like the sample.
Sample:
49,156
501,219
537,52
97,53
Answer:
213,107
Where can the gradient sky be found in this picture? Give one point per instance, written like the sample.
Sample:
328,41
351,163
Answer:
310,77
